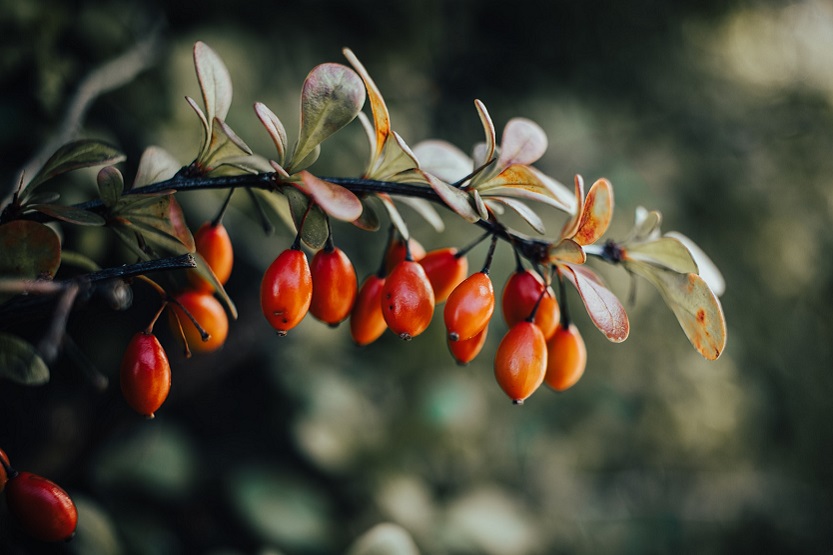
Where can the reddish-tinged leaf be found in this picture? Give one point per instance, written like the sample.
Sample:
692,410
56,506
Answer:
274,127
603,307
567,250
335,200
488,130
443,160
381,117
523,142
459,201
215,81
571,226
596,213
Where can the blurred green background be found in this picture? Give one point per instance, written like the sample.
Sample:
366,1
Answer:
717,113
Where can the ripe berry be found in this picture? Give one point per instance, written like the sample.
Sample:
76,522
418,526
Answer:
44,510
397,252
286,290
445,271
521,361
210,315
3,475
145,374
407,300
466,350
367,323
469,307
214,245
521,292
567,358
334,286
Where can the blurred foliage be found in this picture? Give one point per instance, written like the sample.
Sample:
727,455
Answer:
719,114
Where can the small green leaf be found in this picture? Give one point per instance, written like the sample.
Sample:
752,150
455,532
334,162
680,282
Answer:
20,361
215,81
596,214
523,142
369,220
603,307
332,96
335,200
155,165
275,128
110,185
29,250
69,214
84,153
665,252
315,229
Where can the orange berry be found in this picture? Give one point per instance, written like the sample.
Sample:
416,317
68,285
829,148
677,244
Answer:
286,290
445,271
42,508
334,286
367,323
521,361
469,307
145,374
465,351
407,300
396,252
567,358
3,475
214,245
210,315
521,292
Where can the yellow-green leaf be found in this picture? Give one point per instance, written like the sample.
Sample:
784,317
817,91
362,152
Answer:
110,185
20,361
665,252
310,220
84,153
29,250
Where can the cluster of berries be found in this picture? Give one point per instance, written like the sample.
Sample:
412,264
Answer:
540,346
40,506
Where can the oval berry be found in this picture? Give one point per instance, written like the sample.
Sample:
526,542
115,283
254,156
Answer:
214,245
145,374
407,300
397,252
469,307
334,286
521,361
210,315
567,358
466,350
445,271
4,477
286,290
521,292
367,323
42,508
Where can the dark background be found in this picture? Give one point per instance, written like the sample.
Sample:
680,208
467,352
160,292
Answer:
718,114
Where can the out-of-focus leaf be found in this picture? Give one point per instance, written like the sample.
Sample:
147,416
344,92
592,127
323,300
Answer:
20,361
707,269
489,132
84,153
443,160
335,200
49,197
369,220
205,272
384,539
596,213
603,307
315,228
96,531
397,158
332,96
695,305
571,225
381,116
425,209
110,185
459,201
479,205
646,225
225,144
215,81
525,212
396,218
665,252
523,142
29,249
74,258
69,214
275,128
155,165
567,250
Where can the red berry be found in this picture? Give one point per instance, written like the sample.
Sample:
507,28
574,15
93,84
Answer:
567,358
214,245
466,350
334,286
286,290
407,300
521,292
145,374
445,271
469,307
521,361
3,475
397,252
44,510
210,315
367,323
